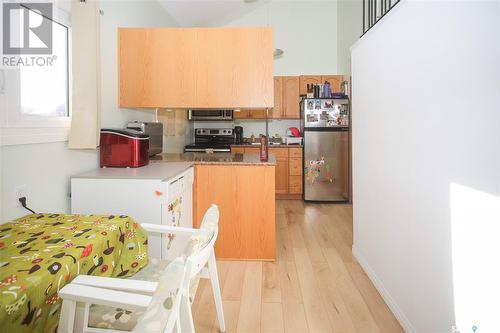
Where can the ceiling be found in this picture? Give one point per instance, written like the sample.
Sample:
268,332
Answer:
208,13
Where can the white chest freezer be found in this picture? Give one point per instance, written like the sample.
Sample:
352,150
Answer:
160,193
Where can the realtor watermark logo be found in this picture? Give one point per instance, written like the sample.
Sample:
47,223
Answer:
27,30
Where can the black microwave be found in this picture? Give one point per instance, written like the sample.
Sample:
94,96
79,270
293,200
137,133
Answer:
201,114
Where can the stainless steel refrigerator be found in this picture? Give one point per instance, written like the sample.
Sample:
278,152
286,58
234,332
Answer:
325,126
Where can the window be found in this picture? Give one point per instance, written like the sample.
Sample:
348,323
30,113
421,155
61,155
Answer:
35,94
44,89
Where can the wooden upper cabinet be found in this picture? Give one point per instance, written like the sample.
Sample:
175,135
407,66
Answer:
335,82
150,74
196,67
291,98
308,79
257,114
278,98
242,114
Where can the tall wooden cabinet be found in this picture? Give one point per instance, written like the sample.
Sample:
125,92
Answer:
196,68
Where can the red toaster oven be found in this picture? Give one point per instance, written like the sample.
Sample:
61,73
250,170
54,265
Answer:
123,148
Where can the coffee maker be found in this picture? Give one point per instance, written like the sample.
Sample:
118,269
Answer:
238,131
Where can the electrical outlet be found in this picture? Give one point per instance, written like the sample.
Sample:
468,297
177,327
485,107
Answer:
20,191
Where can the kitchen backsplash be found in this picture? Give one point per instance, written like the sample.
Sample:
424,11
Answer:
251,126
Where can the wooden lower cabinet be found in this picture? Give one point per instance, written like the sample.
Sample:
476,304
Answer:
295,185
281,155
252,150
296,171
289,169
245,196
237,150
295,166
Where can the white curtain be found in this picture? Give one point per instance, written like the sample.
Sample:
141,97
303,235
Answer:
86,102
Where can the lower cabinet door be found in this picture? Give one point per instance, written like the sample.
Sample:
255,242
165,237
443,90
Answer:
281,177
295,185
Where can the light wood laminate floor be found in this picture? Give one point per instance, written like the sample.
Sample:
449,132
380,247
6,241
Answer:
315,285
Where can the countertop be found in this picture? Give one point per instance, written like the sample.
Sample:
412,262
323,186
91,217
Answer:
153,171
216,158
270,146
167,166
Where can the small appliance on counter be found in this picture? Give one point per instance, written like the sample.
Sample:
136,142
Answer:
290,140
155,132
238,133
293,136
293,132
123,148
215,140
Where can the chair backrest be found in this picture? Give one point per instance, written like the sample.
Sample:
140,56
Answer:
201,246
163,311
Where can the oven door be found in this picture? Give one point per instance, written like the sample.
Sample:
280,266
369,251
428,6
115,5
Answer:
210,114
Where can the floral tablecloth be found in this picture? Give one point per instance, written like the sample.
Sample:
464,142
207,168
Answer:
40,253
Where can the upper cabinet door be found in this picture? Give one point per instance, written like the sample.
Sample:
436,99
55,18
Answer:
152,75
277,111
196,67
291,97
308,79
235,68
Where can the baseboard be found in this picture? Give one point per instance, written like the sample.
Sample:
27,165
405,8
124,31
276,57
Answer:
391,303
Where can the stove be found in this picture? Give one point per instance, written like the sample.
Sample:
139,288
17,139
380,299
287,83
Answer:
214,140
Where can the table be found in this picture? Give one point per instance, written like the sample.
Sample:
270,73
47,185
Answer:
40,253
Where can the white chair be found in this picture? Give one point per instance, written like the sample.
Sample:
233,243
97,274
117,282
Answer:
200,248
160,312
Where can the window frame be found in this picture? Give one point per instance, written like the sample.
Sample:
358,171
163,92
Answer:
18,128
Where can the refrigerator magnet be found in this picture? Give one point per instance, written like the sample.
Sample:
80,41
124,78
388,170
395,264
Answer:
327,104
312,118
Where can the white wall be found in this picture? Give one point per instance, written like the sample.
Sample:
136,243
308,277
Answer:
425,115
305,30
350,28
144,13
45,168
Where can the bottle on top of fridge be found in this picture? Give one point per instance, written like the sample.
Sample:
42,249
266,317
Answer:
327,90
